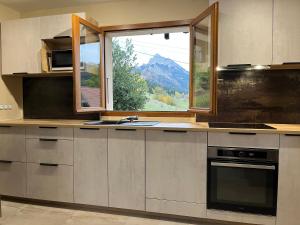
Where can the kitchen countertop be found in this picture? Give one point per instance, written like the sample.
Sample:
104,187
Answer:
280,128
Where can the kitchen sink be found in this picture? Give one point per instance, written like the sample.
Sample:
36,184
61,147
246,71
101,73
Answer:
122,123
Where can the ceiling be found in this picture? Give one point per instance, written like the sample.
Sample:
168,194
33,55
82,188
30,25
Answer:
32,5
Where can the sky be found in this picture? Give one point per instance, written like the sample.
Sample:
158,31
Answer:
146,46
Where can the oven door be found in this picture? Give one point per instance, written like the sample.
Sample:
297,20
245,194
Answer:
242,186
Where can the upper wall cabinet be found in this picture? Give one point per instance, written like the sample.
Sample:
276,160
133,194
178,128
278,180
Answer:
245,32
21,41
57,26
286,31
21,45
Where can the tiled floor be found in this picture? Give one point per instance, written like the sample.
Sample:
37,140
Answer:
25,214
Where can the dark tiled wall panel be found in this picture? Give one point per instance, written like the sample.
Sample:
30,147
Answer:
269,96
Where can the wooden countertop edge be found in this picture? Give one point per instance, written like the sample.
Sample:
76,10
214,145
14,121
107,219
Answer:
280,128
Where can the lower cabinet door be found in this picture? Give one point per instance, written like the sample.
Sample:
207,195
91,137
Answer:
288,204
50,182
90,167
126,169
13,179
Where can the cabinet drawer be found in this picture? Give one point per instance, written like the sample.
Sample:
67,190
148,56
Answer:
244,140
49,132
13,179
53,183
46,150
176,208
12,144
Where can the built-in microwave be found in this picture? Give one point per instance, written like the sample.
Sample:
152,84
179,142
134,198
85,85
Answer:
61,60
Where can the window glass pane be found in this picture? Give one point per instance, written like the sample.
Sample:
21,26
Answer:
151,70
201,64
89,67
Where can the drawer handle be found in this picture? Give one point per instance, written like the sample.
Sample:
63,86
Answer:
241,133
5,126
49,164
125,129
292,135
48,139
6,161
175,131
86,128
20,73
48,127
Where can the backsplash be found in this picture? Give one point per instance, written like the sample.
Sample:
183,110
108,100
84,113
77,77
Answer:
265,96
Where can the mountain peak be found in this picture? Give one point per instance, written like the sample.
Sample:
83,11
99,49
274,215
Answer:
158,59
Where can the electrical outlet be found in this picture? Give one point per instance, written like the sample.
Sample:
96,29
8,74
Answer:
1,107
5,107
9,107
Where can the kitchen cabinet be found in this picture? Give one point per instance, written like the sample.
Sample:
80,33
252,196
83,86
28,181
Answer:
289,180
50,182
12,143
286,31
243,140
57,26
126,168
176,172
13,178
21,45
245,32
90,167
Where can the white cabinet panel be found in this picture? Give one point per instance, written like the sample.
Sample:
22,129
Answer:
176,165
288,207
53,183
126,169
57,25
243,140
50,151
286,31
245,32
90,167
12,144
13,179
21,45
176,208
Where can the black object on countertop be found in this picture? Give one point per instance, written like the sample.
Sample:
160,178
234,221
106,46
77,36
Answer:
239,125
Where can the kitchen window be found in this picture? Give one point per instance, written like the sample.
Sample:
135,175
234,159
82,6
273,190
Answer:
166,68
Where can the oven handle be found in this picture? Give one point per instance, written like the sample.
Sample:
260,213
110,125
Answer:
247,166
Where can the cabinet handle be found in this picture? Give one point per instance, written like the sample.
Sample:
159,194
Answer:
48,127
117,129
292,135
20,73
6,161
4,126
175,131
49,164
290,63
48,139
241,133
61,37
86,128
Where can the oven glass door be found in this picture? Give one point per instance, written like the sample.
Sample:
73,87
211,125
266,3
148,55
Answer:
244,187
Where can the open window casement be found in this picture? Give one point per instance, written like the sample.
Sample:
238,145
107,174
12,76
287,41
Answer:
203,62
88,66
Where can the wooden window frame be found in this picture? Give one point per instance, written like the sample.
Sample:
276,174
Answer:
213,11
76,22
145,26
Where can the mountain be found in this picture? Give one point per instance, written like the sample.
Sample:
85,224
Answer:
166,73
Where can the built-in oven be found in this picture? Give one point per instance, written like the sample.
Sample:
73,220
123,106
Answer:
242,180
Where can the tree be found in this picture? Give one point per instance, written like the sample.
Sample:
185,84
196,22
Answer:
129,88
